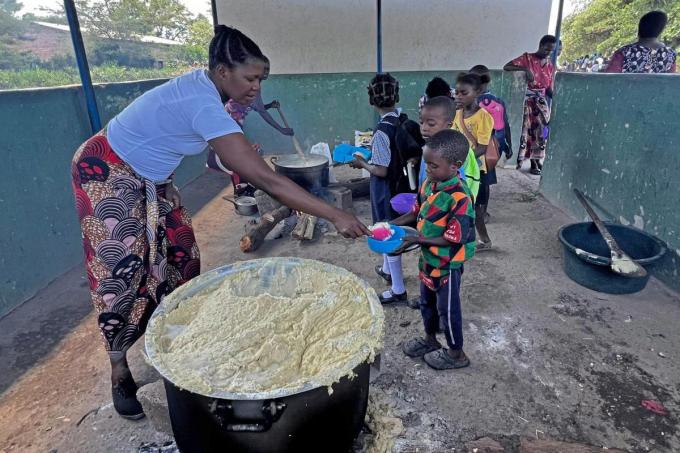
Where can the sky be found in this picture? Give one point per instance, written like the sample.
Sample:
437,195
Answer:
203,6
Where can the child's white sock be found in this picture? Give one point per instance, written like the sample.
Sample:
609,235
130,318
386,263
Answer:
386,264
397,274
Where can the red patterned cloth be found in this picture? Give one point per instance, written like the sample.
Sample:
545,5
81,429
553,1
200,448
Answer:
543,71
138,247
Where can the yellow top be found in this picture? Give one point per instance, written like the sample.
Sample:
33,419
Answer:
479,125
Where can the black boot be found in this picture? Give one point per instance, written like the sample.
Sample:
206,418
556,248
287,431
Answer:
125,400
124,388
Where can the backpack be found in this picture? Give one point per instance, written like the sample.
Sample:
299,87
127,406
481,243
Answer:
405,143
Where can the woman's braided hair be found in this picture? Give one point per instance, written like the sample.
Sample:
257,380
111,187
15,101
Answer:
231,48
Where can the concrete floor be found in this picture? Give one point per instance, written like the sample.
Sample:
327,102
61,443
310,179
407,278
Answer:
550,359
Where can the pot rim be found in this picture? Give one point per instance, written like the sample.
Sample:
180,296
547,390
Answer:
214,277
599,260
280,161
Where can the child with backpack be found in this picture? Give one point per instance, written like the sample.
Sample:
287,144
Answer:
496,107
477,126
501,125
391,147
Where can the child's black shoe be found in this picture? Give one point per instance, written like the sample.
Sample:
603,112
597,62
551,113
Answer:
382,274
389,297
418,347
442,360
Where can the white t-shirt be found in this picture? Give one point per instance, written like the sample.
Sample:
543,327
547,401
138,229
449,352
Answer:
173,120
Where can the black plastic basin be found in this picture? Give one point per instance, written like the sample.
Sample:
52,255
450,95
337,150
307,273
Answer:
587,259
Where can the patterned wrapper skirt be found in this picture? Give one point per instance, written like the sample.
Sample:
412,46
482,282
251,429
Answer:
534,128
138,247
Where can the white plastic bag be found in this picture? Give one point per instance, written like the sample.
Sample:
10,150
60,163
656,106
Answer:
363,138
322,149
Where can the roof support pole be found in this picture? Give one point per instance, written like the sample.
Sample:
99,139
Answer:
83,67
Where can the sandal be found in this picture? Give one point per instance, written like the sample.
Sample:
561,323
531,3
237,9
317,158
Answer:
442,360
418,347
483,246
384,275
535,171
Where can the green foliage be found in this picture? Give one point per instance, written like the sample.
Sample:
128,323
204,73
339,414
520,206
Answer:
130,19
114,50
168,19
195,48
10,26
12,59
117,52
10,6
602,26
41,77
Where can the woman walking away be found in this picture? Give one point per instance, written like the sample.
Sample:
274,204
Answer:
138,239
540,74
648,54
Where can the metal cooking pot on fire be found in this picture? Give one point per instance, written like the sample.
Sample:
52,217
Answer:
310,172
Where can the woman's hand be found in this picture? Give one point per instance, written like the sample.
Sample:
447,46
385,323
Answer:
236,153
529,74
349,226
172,195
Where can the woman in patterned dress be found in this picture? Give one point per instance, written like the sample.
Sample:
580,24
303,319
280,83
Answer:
138,240
648,54
540,74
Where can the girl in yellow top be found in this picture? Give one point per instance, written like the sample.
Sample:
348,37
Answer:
477,125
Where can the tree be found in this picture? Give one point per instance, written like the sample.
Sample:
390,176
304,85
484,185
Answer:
168,19
602,26
131,19
200,33
10,7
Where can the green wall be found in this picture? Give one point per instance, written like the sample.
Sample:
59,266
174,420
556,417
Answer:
330,107
39,233
617,138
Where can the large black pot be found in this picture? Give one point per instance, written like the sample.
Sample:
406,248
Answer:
587,259
304,422
311,173
299,418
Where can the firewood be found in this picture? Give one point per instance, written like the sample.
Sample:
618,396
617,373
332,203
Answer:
300,228
311,225
255,234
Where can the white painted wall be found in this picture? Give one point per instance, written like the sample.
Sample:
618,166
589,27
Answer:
316,36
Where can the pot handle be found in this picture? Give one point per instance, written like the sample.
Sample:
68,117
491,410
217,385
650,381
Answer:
227,198
273,159
247,416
